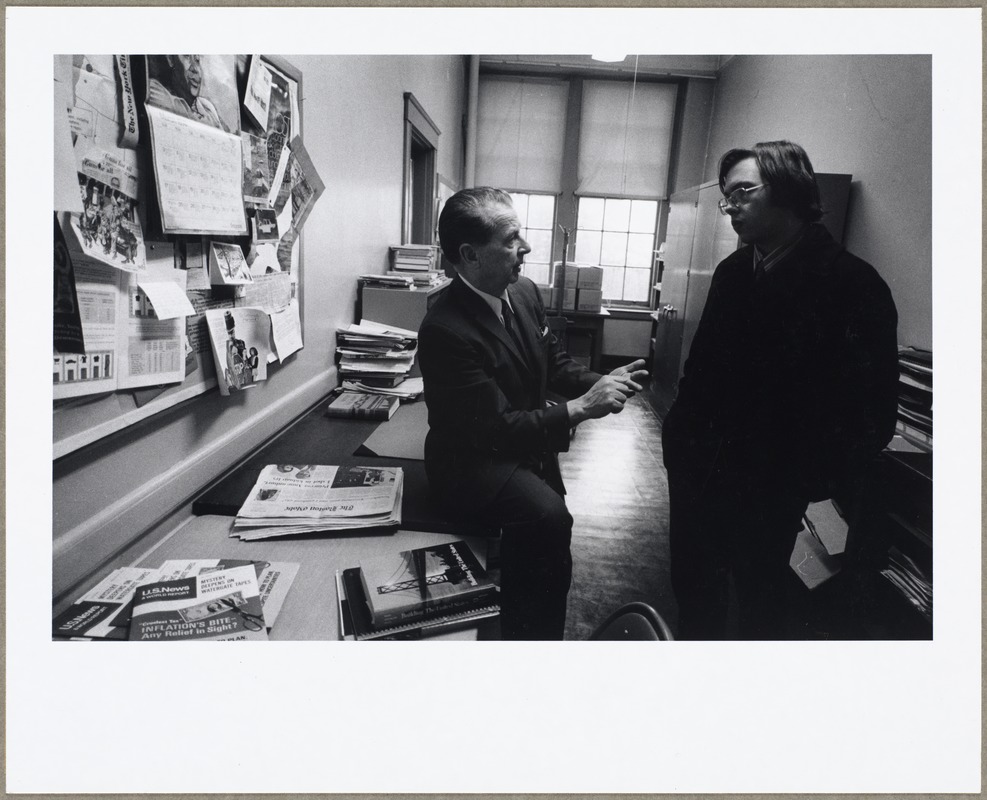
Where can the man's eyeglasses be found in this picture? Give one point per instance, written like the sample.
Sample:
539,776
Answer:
738,197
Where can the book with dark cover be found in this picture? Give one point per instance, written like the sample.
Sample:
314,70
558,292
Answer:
356,624
358,405
425,583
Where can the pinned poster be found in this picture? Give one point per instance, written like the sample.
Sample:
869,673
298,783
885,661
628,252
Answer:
241,344
257,98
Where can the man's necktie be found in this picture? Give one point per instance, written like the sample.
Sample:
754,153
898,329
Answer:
511,324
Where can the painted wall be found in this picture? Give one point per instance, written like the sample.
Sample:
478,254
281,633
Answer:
868,115
353,127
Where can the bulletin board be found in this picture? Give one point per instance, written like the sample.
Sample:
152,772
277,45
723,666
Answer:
181,187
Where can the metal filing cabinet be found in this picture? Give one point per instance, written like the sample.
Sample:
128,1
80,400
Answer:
403,308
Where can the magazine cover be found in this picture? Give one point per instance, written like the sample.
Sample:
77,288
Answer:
427,581
103,612
274,579
222,606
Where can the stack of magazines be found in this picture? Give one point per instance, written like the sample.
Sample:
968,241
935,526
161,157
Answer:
291,498
915,395
220,599
413,593
375,354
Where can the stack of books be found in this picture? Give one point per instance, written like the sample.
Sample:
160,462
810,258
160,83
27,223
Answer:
415,257
288,499
414,593
375,354
221,599
915,396
356,404
419,279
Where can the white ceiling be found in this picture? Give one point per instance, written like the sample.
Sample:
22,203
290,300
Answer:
693,66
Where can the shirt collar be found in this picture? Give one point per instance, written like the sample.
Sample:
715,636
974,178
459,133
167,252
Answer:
490,300
767,261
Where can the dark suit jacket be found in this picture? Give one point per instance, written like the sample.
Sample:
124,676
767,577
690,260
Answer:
486,400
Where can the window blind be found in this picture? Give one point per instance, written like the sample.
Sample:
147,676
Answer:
625,139
521,133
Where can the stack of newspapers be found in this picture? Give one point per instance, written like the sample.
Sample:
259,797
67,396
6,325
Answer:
304,498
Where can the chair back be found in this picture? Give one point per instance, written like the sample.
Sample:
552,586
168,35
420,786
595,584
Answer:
633,622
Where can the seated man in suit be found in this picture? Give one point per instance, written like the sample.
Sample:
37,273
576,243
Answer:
488,357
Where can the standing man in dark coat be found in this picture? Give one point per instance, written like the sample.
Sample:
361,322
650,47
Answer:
789,390
487,358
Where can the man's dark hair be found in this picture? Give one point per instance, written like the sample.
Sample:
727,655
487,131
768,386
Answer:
786,168
464,221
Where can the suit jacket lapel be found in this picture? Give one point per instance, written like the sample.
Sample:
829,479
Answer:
528,327
486,319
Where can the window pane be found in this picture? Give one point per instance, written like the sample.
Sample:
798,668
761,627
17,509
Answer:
643,216
541,245
590,215
588,247
637,285
520,206
617,215
541,211
537,272
613,283
614,249
639,247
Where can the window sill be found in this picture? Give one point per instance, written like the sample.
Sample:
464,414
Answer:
629,312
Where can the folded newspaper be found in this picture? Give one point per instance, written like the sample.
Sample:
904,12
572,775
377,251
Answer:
289,499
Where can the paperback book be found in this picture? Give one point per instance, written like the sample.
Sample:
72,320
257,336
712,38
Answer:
359,405
424,583
223,605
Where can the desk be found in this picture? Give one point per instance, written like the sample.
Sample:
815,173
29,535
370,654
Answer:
584,337
314,438
310,610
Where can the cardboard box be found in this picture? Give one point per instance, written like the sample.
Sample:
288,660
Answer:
571,275
589,277
546,294
589,300
568,300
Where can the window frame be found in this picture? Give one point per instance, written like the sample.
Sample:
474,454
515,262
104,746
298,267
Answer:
652,267
552,230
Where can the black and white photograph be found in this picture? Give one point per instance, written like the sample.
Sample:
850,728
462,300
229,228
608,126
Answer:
679,282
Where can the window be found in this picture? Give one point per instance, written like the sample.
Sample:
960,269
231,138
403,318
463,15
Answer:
537,215
619,235
583,152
